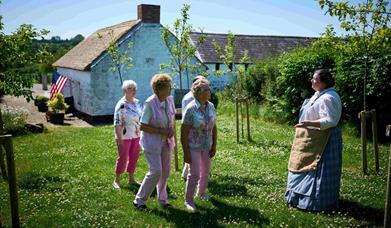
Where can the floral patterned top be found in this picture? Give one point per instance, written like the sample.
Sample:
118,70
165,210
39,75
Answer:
127,114
202,121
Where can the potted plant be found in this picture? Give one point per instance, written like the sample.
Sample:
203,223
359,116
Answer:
42,103
58,107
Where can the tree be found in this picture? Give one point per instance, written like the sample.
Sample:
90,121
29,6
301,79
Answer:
118,58
16,53
364,20
181,48
77,39
236,68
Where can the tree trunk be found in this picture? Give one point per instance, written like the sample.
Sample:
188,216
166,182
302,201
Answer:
44,79
180,80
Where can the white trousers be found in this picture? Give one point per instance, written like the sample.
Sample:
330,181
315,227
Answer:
159,170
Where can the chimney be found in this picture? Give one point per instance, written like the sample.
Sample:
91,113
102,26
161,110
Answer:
148,13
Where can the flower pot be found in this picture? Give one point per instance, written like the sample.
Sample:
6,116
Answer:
42,107
56,118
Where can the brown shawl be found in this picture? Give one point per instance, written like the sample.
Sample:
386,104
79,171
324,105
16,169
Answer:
307,148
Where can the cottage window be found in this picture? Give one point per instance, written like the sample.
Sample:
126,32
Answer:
217,67
246,66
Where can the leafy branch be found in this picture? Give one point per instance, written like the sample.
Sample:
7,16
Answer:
117,57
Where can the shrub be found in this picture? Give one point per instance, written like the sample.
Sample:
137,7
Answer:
41,99
260,78
214,99
58,104
14,118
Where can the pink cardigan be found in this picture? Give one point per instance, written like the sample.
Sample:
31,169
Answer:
153,143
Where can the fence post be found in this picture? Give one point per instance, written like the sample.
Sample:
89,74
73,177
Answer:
375,144
2,165
363,118
237,120
6,141
248,122
387,207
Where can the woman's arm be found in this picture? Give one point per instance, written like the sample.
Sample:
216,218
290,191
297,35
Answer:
309,123
153,130
212,151
118,131
185,129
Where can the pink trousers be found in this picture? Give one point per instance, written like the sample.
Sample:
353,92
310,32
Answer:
199,171
129,154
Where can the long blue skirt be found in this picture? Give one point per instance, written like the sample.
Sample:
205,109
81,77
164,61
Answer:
319,190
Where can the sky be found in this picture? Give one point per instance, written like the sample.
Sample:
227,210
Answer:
67,18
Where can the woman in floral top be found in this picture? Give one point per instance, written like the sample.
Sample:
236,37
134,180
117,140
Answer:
198,138
127,132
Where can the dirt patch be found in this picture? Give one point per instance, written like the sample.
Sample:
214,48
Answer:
36,117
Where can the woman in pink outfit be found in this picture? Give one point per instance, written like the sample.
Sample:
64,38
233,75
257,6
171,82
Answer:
157,141
127,115
199,139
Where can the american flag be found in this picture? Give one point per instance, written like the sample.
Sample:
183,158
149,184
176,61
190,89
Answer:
57,85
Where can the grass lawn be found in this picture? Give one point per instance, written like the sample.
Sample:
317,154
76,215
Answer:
65,177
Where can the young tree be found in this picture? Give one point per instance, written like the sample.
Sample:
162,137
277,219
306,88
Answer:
181,48
236,68
363,20
119,58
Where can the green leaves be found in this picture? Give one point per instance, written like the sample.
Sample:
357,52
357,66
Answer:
235,67
182,50
119,58
17,53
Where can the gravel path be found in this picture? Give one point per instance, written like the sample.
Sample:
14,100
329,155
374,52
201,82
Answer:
34,116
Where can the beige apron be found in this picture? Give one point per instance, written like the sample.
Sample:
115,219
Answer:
307,148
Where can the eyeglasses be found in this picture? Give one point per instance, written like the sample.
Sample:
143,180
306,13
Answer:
131,88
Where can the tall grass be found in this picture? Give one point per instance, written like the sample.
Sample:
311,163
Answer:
65,178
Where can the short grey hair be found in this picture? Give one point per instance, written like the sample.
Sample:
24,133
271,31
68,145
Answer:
200,86
128,84
197,78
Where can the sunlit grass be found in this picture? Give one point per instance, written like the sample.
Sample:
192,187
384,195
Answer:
65,178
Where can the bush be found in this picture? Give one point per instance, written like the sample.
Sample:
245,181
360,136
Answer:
349,83
41,99
214,99
289,81
14,118
58,104
260,78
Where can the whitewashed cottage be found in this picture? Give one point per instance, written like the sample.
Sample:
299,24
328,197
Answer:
95,89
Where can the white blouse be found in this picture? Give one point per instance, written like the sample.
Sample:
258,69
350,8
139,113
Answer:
324,106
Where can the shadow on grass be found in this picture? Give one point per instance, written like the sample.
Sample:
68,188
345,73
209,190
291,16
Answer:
224,185
135,186
36,182
360,212
221,214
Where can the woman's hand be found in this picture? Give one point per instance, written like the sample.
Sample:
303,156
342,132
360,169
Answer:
187,157
120,143
212,152
170,132
301,125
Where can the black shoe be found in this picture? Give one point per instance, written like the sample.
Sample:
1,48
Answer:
167,206
141,207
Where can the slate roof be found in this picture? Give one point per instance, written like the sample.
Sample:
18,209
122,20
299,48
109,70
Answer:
258,47
83,55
